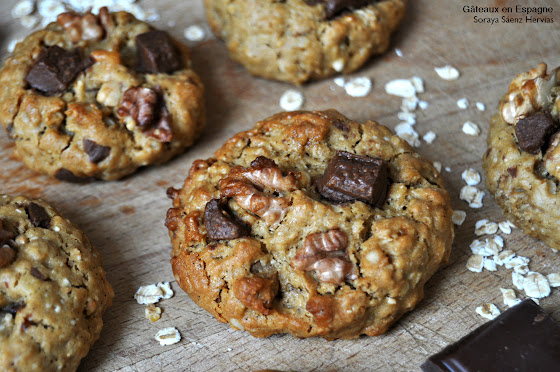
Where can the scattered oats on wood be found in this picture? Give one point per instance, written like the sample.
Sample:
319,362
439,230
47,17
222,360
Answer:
488,311
150,294
471,177
536,285
503,257
458,217
168,336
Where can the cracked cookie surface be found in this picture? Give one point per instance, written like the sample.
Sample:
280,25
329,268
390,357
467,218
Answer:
97,96
54,290
259,244
301,40
522,162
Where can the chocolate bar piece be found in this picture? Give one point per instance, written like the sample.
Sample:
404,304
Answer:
524,338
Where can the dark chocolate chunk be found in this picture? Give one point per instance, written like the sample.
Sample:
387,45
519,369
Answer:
220,224
38,215
534,131
524,338
162,130
343,126
64,174
37,274
350,177
512,171
333,8
156,53
261,162
5,234
7,255
95,151
12,308
55,68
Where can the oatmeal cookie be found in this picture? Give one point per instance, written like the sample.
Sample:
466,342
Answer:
97,96
522,162
310,224
54,291
300,40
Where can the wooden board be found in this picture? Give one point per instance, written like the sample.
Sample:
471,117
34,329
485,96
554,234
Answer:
124,219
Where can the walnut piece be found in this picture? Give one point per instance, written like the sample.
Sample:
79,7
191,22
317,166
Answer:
146,107
325,253
85,27
257,293
528,92
241,184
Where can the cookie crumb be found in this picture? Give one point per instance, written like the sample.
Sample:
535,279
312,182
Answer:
291,100
471,177
458,217
429,137
153,312
194,33
398,52
168,336
463,103
438,166
358,87
338,65
447,72
488,311
409,117
480,106
471,128
472,195
510,299
536,285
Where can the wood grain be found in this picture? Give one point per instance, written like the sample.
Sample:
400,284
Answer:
124,219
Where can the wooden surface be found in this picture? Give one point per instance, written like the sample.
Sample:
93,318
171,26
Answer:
124,219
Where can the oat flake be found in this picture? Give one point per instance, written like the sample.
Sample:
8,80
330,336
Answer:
471,128
475,263
358,87
472,195
471,177
510,299
447,72
463,103
485,227
517,280
458,217
536,285
488,311
168,336
553,279
291,100
401,88
480,106
429,137
194,33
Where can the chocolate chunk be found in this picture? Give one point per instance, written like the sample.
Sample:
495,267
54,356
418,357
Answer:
12,308
220,224
343,126
38,215
156,53
95,151
55,68
512,171
524,338
37,274
64,174
7,255
162,130
334,8
261,162
5,234
534,131
350,177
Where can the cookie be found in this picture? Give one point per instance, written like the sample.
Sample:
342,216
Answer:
97,96
301,40
53,291
310,224
522,162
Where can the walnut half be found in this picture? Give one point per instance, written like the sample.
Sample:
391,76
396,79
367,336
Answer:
325,253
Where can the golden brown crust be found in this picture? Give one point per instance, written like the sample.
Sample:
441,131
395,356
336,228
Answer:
394,249
57,286
292,41
49,131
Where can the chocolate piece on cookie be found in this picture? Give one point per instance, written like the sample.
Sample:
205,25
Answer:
522,162
301,40
156,53
534,131
351,177
54,290
55,68
261,239
98,116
